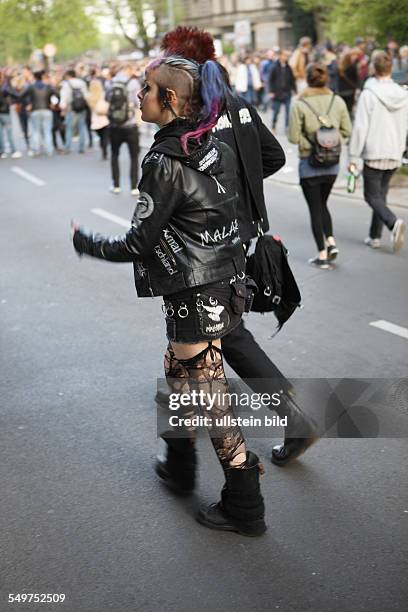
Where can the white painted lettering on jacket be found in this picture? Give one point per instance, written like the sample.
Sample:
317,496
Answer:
219,234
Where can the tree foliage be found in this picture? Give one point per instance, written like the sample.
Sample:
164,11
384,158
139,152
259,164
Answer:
348,19
30,24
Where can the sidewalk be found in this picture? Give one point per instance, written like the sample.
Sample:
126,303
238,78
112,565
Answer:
397,196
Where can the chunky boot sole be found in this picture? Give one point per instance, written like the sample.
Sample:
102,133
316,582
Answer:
171,483
252,529
292,451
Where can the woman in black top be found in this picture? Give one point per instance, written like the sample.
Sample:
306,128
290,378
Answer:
184,245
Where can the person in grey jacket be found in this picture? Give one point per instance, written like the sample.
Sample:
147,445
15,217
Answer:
73,108
379,138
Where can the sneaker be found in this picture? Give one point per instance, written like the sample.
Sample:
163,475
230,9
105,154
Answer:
374,243
115,190
16,155
3,156
398,235
319,263
332,252
135,192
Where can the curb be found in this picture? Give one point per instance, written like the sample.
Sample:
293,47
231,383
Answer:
337,192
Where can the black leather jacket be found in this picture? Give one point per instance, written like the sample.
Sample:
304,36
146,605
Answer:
184,230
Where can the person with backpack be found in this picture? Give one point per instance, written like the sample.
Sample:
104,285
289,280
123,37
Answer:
123,128
318,121
73,108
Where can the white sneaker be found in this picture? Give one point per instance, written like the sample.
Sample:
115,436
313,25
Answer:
115,190
3,156
135,192
16,155
398,235
374,243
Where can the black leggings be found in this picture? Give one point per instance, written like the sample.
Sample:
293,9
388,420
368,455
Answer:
103,135
130,135
316,191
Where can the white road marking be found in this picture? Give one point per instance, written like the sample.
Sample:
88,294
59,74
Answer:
107,215
287,170
391,328
27,176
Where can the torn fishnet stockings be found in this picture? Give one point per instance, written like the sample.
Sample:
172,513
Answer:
204,373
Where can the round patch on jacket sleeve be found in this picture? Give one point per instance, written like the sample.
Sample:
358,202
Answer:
144,208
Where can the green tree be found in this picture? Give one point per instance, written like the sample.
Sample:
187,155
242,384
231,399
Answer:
348,19
302,21
30,24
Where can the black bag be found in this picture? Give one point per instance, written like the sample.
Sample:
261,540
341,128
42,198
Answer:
118,112
277,289
4,103
78,102
326,146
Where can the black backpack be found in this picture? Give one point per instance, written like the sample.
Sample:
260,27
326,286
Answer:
326,146
118,112
277,289
78,103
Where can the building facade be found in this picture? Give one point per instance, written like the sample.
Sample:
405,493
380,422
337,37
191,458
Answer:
266,20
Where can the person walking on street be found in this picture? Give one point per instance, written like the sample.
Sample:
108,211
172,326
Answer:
73,108
188,184
379,138
5,120
39,94
299,60
347,77
282,85
259,155
122,113
248,82
317,102
99,114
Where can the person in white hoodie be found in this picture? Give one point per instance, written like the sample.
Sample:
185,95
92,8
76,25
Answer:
379,138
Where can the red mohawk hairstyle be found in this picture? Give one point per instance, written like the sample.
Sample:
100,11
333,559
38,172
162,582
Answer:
190,43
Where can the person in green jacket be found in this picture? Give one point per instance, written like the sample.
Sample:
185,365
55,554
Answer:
317,182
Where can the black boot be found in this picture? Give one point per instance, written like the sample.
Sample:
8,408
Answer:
178,468
241,508
301,432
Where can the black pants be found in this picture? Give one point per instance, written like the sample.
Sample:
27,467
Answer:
316,191
376,184
250,362
103,135
130,135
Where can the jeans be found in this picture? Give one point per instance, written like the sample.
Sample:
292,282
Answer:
5,126
130,135
250,96
376,184
276,106
72,120
316,190
41,128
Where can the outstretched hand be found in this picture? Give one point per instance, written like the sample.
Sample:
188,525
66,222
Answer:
74,227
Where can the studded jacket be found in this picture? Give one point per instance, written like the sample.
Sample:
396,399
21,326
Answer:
184,230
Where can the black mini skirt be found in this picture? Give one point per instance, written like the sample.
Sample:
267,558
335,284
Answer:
205,313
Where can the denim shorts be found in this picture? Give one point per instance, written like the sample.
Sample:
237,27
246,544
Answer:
205,313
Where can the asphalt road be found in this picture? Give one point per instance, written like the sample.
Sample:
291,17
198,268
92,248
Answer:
82,512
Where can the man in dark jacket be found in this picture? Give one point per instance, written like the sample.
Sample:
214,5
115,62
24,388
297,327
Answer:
259,155
282,85
39,94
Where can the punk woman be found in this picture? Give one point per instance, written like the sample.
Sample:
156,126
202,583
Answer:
185,246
